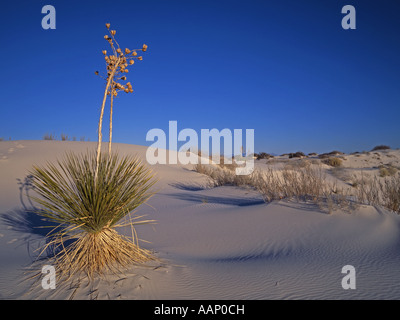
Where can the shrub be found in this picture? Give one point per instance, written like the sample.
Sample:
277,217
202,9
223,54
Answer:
201,168
384,193
333,162
295,164
324,156
380,147
330,154
301,184
309,184
335,153
64,137
48,136
387,171
355,184
88,210
390,190
221,176
263,155
223,163
298,183
298,154
392,170
383,172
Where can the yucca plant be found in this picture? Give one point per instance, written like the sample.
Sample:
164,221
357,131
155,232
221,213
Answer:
88,210
89,195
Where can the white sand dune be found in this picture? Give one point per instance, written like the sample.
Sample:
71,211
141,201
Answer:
214,243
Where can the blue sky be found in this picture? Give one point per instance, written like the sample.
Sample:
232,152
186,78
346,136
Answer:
284,68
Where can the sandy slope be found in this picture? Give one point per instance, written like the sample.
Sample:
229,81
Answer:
220,243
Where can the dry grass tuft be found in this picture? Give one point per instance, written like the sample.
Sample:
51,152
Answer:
299,183
306,184
387,171
333,162
378,192
49,136
220,176
297,154
380,147
302,180
225,163
263,155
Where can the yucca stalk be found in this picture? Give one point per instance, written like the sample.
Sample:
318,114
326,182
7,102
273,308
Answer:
89,209
110,132
100,136
116,66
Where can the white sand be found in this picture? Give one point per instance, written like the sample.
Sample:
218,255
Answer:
220,243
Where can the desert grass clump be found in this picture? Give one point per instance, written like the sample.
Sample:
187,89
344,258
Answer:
390,190
380,147
301,184
297,154
300,163
387,171
333,162
262,155
392,170
380,192
298,183
88,210
227,163
335,153
203,169
49,136
221,176
383,172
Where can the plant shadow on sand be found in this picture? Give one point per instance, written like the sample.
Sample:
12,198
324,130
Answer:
261,257
194,194
188,187
201,198
26,220
35,233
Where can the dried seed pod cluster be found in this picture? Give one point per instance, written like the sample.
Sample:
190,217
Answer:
117,64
